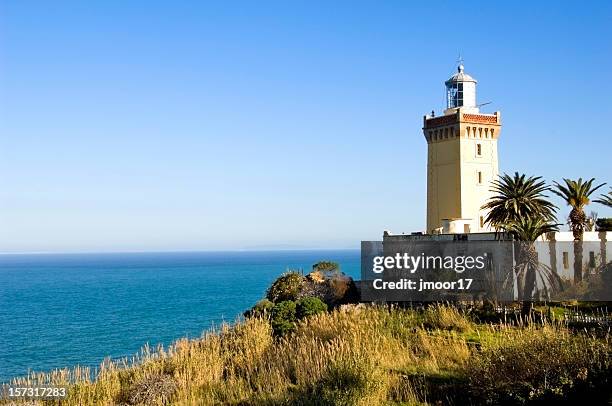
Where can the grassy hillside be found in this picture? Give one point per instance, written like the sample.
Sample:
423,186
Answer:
360,355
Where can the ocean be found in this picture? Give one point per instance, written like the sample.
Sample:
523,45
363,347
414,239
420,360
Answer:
60,310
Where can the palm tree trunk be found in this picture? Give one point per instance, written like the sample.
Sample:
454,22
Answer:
602,247
526,260
519,289
578,260
577,220
530,277
552,249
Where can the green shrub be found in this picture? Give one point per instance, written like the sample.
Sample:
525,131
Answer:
326,266
261,309
287,287
283,317
309,306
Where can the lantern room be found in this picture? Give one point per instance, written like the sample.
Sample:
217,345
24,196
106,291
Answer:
460,90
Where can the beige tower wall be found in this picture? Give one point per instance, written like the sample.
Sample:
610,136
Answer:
477,173
443,182
458,176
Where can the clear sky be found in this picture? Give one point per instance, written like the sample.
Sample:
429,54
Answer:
196,125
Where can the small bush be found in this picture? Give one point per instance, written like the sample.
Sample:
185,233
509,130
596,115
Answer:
261,309
287,287
326,267
157,389
283,317
333,288
348,383
309,306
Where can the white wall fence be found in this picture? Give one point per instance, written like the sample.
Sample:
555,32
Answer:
556,250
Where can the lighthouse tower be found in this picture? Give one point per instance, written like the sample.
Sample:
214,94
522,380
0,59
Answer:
461,159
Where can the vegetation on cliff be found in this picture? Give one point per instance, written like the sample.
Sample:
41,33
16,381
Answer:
359,355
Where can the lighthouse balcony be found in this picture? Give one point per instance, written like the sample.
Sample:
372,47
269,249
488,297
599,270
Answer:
460,116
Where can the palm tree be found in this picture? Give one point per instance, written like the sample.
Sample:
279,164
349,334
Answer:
606,200
520,207
533,279
577,195
517,198
529,229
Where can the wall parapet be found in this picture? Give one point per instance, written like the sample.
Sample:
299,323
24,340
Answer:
481,118
440,121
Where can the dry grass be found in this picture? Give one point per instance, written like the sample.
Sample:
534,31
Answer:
362,355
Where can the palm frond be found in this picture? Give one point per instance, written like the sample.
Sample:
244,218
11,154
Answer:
606,200
576,193
516,197
529,229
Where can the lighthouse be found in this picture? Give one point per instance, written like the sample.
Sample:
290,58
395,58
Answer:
462,159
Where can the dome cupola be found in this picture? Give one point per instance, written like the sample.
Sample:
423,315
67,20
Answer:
460,90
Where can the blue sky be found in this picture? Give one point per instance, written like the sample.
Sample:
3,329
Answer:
193,125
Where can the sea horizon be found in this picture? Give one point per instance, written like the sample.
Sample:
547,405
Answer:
178,251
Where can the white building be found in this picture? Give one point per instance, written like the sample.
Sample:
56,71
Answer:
556,250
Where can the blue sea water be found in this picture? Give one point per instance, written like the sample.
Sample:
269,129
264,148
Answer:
60,310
